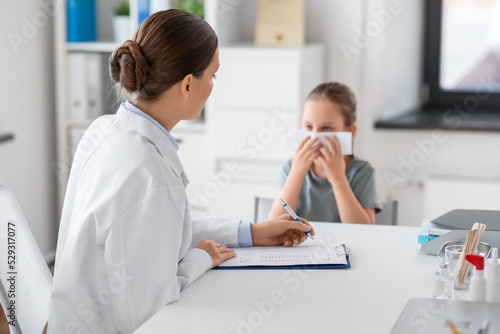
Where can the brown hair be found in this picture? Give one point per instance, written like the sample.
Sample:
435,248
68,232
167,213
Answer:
166,47
340,94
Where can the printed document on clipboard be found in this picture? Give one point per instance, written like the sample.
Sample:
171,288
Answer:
314,254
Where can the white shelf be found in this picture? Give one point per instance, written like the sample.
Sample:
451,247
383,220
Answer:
252,46
92,46
111,46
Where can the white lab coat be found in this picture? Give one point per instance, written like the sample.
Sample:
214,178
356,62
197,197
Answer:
126,240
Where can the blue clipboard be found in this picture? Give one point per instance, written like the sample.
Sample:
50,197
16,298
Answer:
341,251
293,267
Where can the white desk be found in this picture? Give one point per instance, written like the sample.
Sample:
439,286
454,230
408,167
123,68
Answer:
387,270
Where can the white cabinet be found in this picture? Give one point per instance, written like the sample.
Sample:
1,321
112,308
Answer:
258,96
254,77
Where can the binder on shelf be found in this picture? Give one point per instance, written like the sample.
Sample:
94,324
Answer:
88,86
141,9
309,255
81,23
78,88
95,85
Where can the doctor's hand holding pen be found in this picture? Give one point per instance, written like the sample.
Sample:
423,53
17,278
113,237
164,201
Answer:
283,230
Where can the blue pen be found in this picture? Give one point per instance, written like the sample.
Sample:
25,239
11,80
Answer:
293,214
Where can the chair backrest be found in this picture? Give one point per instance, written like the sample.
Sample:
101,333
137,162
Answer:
262,207
389,214
25,279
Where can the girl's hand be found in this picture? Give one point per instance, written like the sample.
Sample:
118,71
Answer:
217,251
331,160
304,156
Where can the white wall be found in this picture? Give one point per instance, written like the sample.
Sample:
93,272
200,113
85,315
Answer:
385,75
27,97
331,23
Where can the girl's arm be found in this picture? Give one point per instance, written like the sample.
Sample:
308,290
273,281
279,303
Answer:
350,209
290,193
302,161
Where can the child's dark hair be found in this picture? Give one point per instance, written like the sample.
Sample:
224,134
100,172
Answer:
340,94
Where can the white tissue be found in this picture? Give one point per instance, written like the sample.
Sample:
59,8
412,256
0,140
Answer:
295,136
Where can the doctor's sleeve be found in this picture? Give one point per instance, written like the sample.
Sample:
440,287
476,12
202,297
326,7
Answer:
142,257
224,231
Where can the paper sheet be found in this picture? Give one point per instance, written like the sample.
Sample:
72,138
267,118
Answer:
310,252
295,136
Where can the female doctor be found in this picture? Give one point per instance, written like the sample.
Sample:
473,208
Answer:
127,245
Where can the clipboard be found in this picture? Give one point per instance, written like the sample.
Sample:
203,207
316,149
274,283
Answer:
296,267
309,255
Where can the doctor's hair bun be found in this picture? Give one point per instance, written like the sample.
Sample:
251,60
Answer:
128,67
168,46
